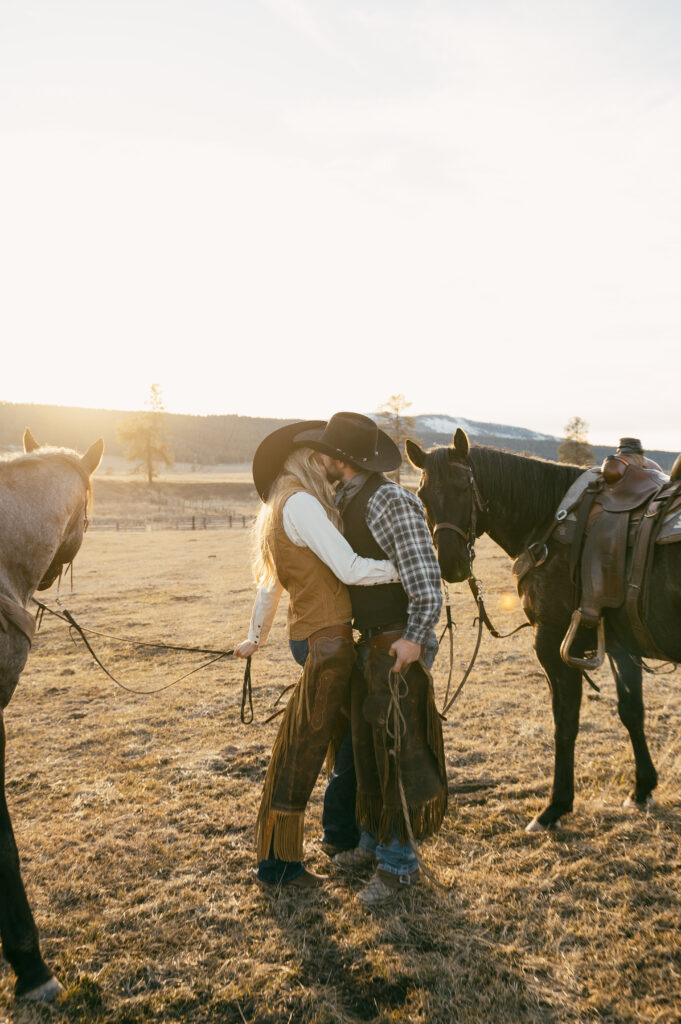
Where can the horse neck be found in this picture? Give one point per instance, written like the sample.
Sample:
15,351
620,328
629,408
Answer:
37,501
521,495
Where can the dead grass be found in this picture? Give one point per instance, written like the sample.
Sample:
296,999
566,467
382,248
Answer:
134,817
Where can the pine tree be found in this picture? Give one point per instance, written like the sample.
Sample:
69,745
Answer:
146,438
576,448
392,419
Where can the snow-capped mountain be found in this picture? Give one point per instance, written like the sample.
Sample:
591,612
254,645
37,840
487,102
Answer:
446,425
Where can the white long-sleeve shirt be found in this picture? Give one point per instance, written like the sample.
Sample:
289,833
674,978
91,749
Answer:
308,526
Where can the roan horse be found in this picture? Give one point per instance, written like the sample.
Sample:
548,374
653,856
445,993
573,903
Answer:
470,491
44,499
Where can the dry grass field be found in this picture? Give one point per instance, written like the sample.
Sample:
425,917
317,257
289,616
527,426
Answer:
134,817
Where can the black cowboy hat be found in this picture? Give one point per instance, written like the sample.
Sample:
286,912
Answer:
630,445
356,439
272,453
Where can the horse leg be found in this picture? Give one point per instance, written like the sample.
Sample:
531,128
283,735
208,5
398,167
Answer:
17,928
628,678
566,693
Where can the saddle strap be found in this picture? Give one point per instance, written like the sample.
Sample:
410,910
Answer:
12,611
641,560
585,507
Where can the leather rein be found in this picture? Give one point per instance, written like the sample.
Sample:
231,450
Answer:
478,505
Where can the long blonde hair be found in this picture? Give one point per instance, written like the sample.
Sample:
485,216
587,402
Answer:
300,471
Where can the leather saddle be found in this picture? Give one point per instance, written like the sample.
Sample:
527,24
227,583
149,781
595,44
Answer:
617,520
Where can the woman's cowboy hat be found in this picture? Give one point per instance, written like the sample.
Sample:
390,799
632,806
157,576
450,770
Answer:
353,438
273,452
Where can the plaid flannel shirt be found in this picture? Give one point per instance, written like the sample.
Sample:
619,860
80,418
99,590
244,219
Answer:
397,521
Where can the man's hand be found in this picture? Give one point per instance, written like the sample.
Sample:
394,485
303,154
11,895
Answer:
405,652
245,650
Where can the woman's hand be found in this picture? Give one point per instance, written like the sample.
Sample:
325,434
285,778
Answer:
245,650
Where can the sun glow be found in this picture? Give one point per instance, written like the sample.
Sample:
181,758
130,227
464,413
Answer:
277,220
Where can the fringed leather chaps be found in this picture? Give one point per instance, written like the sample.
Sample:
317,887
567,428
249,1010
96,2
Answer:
312,728
420,762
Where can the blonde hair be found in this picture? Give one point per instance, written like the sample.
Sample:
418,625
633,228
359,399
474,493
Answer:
301,471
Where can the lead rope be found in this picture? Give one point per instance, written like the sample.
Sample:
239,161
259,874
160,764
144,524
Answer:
66,616
450,626
399,688
247,695
468,671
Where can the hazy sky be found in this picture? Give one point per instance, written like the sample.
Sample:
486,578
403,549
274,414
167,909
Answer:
290,207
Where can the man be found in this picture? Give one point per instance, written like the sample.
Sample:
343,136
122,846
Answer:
396,731
630,450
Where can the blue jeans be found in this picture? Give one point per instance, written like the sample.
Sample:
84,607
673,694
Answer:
393,856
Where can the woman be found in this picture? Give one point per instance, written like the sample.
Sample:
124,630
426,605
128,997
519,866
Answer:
299,548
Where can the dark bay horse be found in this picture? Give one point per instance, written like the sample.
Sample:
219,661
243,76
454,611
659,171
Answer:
44,500
470,491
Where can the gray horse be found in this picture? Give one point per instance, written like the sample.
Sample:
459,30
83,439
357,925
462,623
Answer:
44,500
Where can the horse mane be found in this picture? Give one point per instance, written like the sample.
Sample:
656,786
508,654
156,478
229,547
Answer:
48,455
535,486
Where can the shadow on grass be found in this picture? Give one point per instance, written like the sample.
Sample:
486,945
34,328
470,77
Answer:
418,959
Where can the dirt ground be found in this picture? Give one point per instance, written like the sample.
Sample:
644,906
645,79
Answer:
134,818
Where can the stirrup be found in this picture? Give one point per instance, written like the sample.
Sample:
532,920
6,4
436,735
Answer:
582,663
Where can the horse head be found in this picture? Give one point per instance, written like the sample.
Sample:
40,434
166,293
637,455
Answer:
77,505
452,502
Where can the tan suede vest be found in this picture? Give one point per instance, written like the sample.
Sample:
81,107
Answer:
317,597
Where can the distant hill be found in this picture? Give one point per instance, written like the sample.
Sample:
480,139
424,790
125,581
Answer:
206,440
438,430
209,440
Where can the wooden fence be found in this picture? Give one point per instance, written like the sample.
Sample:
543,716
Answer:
228,521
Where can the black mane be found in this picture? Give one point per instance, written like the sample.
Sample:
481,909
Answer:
522,492
535,485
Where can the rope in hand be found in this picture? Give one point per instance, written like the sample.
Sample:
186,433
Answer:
247,695
66,616
395,727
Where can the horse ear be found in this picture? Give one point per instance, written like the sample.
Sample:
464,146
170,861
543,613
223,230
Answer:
415,453
30,443
461,443
92,457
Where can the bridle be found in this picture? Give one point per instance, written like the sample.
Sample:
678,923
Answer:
56,567
477,506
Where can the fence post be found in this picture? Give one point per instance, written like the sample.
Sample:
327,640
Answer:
193,523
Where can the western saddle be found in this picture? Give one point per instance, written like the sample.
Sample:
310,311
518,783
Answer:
612,518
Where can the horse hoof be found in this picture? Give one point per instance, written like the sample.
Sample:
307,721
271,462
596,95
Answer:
632,805
44,993
536,826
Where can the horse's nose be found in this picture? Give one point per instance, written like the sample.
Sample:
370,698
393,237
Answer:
453,570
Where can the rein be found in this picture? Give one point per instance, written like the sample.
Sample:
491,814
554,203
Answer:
66,616
482,618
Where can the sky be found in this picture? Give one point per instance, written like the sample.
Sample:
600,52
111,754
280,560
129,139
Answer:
290,207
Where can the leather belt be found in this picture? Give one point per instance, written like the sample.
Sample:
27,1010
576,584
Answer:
381,638
383,641
391,627
331,633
